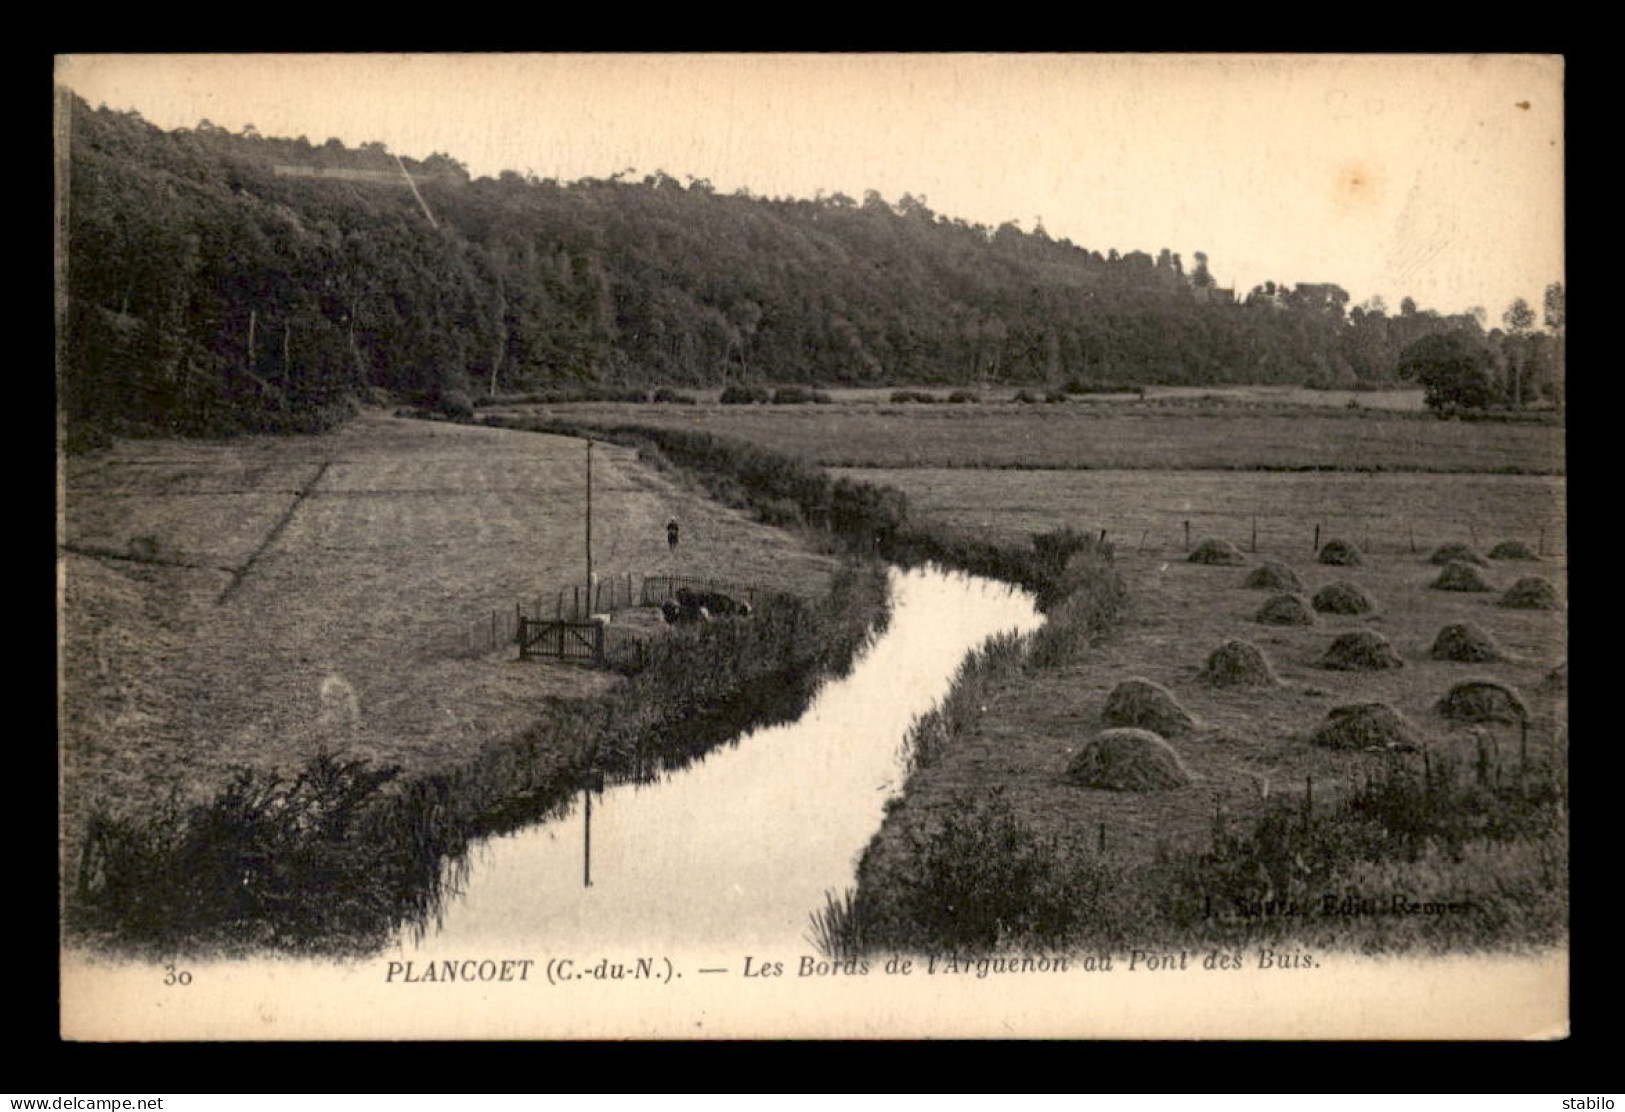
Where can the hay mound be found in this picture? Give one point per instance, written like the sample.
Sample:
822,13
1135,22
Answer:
1129,760
1458,553
1274,576
1513,550
1340,553
1466,642
1238,664
1458,576
1482,701
1285,610
1218,552
1531,593
1147,706
1365,726
1361,650
1342,598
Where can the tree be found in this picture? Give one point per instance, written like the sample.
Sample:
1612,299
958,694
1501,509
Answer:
1452,369
1556,305
1201,276
1556,308
1518,319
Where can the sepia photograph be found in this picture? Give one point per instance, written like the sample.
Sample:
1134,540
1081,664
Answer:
698,546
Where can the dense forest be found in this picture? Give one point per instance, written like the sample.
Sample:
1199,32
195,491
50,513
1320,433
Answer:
219,281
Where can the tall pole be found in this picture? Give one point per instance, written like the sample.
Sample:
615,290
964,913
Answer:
586,841
589,526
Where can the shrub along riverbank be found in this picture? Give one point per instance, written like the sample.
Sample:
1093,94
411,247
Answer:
335,856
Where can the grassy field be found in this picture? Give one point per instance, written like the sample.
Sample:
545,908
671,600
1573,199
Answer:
227,604
1251,750
1398,401
1144,512
1115,436
366,560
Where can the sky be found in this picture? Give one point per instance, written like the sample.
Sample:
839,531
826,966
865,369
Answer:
1437,177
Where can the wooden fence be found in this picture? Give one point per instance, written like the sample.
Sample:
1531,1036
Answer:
558,626
662,588
539,637
615,592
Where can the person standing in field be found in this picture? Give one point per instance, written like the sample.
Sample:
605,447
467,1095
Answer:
671,535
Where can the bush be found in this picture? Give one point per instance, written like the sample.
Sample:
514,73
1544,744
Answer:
924,397
980,878
456,405
1453,370
964,397
800,395
668,395
1084,386
745,395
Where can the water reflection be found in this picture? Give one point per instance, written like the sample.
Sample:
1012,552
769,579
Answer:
738,848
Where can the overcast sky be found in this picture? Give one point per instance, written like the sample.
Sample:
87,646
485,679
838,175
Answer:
1437,177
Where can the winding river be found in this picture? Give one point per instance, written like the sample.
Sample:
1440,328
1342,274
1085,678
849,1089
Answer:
736,850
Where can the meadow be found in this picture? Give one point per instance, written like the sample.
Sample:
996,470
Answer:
213,591
994,789
1183,434
992,846
1145,512
255,603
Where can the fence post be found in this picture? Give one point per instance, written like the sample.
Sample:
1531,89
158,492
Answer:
1523,750
1187,536
1143,534
1102,839
1541,551
1308,798
1411,529
1317,536
1255,533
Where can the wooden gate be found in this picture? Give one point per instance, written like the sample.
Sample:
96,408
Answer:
566,640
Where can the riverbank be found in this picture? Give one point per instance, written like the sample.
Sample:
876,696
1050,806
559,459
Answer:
331,689
332,851
1452,839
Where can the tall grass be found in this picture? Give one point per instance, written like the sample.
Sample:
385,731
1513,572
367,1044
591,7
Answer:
339,856
1494,848
835,929
296,865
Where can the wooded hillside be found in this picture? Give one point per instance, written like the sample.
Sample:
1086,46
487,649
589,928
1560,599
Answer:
223,281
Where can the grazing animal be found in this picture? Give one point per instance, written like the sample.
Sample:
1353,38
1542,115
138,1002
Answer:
719,604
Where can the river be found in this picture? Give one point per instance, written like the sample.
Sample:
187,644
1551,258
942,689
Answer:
737,849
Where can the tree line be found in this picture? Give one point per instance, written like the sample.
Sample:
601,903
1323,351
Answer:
219,281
